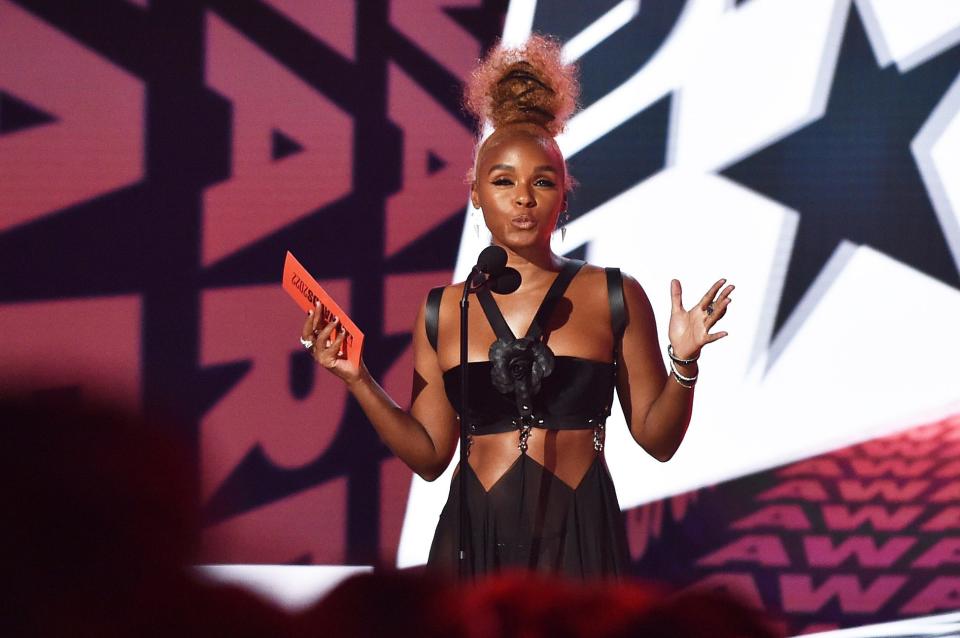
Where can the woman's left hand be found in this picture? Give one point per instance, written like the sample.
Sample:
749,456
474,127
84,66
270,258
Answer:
689,329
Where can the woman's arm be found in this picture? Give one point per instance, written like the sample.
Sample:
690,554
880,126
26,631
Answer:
425,437
656,406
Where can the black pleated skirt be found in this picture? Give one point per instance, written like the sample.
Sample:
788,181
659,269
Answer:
530,519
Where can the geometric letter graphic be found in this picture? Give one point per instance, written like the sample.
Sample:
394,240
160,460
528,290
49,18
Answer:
252,324
94,146
430,25
309,524
428,197
99,353
262,194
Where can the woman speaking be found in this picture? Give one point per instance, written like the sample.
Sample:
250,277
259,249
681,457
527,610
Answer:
543,361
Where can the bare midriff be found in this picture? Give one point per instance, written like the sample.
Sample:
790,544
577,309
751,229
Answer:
567,454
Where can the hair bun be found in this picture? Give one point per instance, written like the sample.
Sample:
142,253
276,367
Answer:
530,84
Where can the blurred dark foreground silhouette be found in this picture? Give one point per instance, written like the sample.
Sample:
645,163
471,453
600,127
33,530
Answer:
103,526
524,605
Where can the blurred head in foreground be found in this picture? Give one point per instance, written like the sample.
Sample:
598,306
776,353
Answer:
525,605
101,529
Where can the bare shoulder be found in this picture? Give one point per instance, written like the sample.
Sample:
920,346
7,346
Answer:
591,271
632,287
634,295
597,276
451,295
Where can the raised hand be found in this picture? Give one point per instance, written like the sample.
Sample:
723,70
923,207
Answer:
327,353
689,329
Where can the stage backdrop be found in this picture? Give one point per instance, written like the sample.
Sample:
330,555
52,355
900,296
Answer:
157,159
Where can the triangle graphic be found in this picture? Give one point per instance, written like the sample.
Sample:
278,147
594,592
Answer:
18,115
434,163
282,146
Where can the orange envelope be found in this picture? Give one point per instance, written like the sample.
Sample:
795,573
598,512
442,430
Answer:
306,292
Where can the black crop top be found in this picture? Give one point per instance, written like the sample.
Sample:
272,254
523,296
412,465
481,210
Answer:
578,392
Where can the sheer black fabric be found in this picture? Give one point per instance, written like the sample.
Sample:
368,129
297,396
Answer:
531,519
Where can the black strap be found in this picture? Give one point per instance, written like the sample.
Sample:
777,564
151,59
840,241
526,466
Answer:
618,308
431,317
554,294
570,269
494,316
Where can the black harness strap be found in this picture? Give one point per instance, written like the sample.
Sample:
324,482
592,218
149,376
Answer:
494,316
431,317
554,294
618,307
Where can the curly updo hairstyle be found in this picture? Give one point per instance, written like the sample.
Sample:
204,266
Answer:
529,85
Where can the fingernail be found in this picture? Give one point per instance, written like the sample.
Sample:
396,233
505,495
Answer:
310,313
317,304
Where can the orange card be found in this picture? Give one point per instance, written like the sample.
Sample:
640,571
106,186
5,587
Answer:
305,290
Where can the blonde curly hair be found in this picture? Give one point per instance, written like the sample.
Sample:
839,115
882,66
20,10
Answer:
529,85
526,84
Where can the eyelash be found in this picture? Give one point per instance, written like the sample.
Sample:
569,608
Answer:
505,181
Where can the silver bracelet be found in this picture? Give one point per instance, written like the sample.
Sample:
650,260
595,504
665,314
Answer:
675,358
682,380
689,386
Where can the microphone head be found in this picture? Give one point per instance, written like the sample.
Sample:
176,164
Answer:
506,282
492,260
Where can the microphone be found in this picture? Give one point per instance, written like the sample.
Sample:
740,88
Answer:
493,263
506,282
492,260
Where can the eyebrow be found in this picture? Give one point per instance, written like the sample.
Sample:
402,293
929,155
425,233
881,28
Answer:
508,167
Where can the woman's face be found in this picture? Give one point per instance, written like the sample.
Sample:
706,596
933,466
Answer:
520,187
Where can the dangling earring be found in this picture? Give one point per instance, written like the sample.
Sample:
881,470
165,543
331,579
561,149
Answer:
563,225
476,223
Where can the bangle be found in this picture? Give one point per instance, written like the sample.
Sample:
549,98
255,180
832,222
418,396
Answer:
687,382
686,385
676,359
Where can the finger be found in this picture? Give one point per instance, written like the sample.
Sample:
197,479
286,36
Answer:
676,295
330,353
716,336
707,298
324,334
316,318
719,309
307,331
726,292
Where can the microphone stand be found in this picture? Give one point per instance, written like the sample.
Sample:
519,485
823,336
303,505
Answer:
490,270
468,288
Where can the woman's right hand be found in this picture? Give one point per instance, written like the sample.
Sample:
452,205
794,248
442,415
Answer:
329,354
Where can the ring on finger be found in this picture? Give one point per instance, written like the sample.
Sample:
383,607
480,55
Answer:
710,308
307,343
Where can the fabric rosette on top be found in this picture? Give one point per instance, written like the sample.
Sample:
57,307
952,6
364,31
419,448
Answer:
519,366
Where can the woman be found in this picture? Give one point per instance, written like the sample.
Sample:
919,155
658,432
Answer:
539,494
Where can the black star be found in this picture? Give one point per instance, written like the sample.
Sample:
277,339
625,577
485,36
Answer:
623,53
851,174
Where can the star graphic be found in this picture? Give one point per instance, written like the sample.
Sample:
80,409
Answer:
614,60
621,159
851,175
